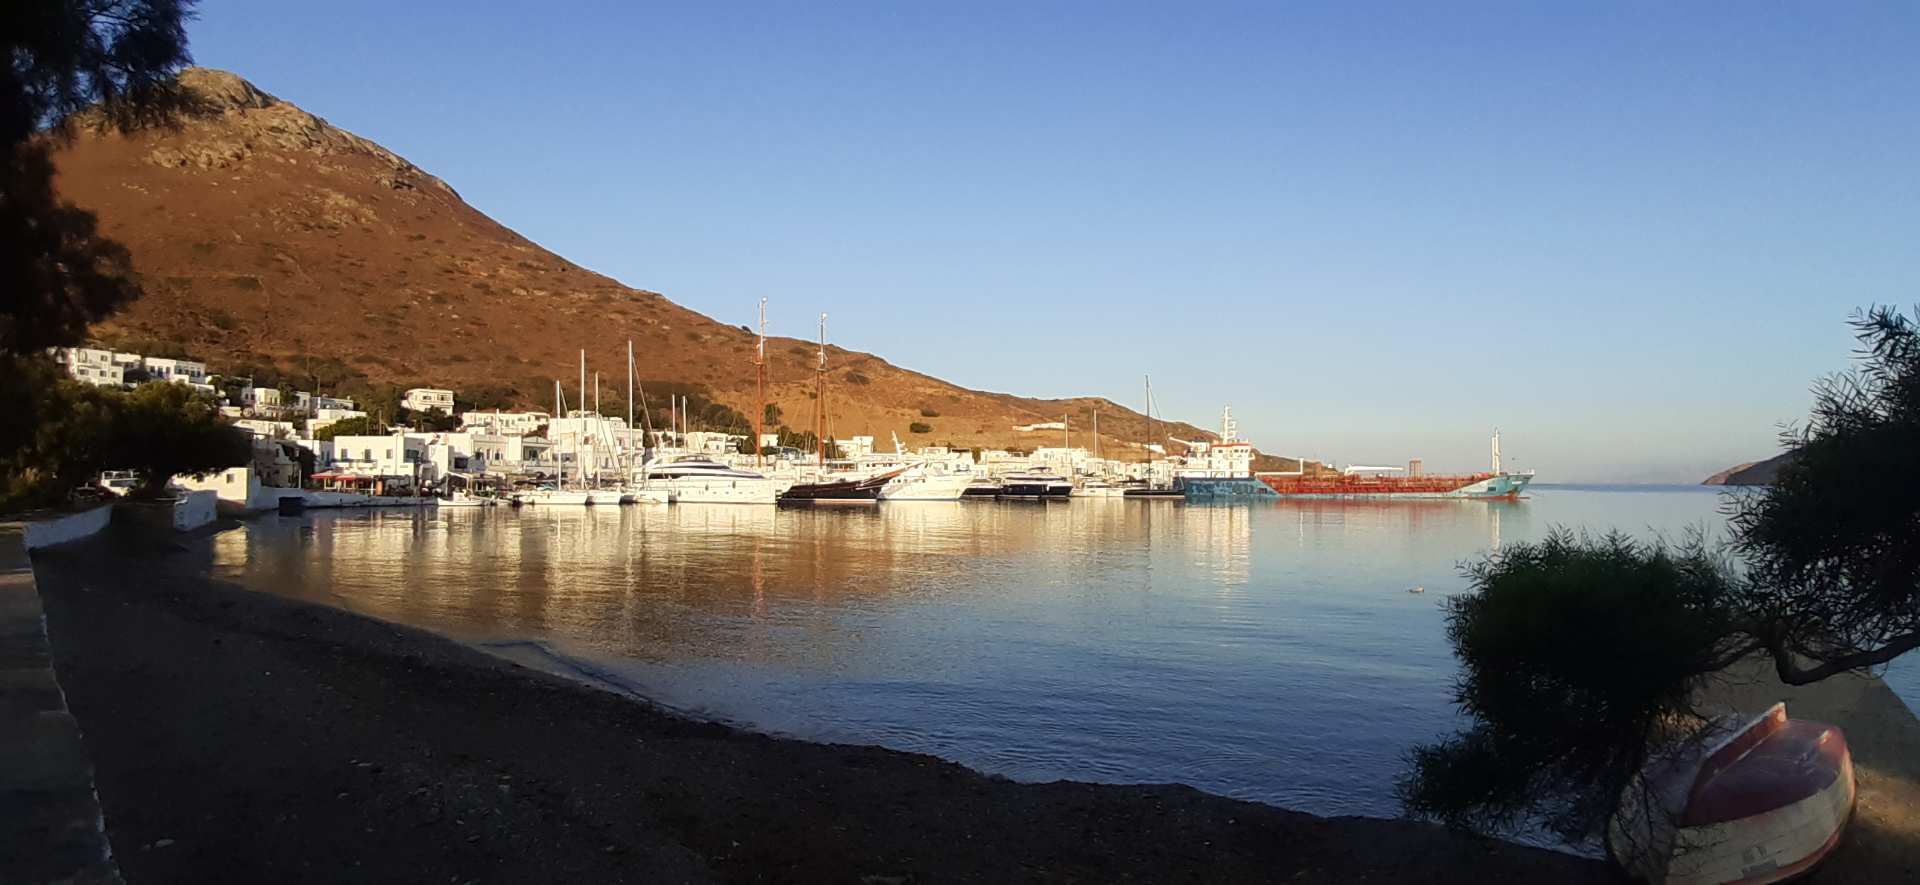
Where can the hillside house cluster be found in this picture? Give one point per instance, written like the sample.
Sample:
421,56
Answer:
109,368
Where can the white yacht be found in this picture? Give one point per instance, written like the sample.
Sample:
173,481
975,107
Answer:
696,479
927,482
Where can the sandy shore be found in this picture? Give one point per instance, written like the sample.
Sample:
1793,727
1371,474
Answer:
238,736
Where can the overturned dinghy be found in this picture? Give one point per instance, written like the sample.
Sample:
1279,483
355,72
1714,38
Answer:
1756,801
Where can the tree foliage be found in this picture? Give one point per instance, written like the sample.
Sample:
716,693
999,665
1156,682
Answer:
358,425
163,430
1576,656
159,429
57,274
1579,656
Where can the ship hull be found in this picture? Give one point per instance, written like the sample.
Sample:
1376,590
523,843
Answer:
1486,487
845,491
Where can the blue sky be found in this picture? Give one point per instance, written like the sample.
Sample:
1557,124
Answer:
1628,235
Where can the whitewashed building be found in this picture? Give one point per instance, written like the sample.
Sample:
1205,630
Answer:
262,428
508,423
167,369
394,456
423,399
92,366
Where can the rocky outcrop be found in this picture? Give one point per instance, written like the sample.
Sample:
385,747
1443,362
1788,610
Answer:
1752,473
235,120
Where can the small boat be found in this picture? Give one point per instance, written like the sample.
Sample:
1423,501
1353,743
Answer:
841,489
556,497
1149,493
648,495
1756,801
1038,482
1097,488
928,482
462,499
606,497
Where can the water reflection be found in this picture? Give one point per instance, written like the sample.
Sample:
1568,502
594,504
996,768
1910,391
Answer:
1265,650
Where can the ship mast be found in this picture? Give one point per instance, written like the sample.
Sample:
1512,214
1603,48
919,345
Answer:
760,385
820,396
1150,429
632,461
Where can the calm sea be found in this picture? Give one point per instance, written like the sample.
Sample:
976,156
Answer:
1268,651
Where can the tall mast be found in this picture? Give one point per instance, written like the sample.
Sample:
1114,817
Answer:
760,385
1096,433
558,412
1150,429
820,396
583,379
630,458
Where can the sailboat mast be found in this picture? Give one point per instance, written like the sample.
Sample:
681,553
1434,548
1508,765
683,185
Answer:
630,459
1150,434
760,385
820,395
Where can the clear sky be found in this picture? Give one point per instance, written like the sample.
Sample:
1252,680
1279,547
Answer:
1628,235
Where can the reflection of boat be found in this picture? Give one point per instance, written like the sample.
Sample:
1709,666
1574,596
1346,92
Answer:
1759,801
1038,482
695,479
928,482
861,489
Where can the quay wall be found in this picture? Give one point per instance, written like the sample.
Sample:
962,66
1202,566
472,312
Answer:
191,510
50,822
63,529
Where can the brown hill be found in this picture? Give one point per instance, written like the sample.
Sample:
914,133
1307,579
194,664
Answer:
1752,473
268,238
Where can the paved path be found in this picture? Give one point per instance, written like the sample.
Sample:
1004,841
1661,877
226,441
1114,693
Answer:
49,817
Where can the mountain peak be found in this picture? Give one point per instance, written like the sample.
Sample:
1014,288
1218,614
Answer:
222,90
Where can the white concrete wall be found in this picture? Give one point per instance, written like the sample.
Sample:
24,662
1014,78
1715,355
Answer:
192,510
72,527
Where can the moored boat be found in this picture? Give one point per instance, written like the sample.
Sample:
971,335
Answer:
927,482
1037,482
845,489
696,479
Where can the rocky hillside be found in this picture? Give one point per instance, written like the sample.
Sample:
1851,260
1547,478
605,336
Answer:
1752,473
266,237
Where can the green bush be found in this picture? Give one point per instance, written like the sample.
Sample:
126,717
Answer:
929,413
920,427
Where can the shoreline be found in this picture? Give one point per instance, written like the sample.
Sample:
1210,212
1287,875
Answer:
242,736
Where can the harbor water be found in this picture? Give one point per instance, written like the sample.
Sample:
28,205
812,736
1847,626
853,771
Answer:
1266,650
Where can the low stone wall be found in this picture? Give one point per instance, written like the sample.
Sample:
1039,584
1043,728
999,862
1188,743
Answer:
191,510
62,529
50,823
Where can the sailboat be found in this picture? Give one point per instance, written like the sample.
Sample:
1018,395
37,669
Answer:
638,487
831,489
559,495
1149,491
